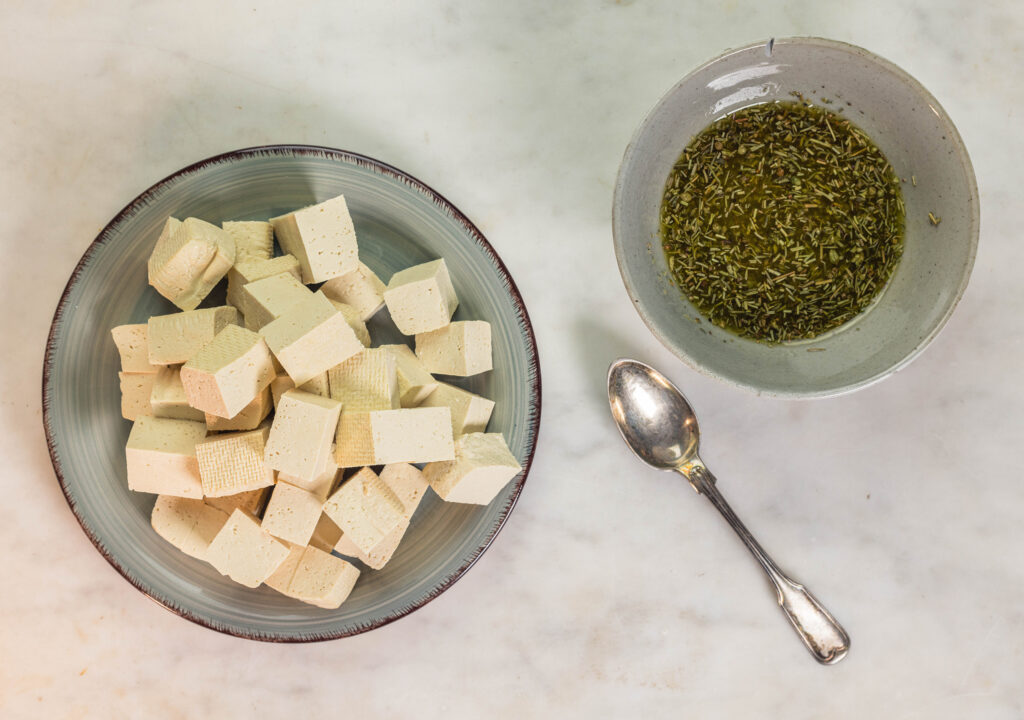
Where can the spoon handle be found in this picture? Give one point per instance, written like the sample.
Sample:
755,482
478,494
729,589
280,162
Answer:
820,632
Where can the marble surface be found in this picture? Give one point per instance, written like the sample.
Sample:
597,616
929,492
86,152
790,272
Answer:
613,591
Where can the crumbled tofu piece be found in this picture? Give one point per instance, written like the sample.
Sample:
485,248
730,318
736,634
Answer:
250,271
365,509
310,338
380,437
252,501
316,577
228,373
366,381
483,465
161,456
135,391
300,437
292,513
326,534
361,289
268,298
254,240
248,418
245,552
415,383
322,237
190,257
168,397
231,463
175,338
186,523
421,298
132,343
461,348
354,321
470,412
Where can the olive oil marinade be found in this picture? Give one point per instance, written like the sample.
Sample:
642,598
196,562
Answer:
782,221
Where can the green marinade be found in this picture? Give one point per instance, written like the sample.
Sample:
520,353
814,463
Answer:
782,221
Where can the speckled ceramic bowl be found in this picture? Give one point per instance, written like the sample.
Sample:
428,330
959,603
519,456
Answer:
918,138
400,222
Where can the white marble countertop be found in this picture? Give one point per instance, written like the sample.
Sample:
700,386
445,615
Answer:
613,590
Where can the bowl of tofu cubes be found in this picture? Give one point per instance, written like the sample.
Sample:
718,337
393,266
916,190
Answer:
291,393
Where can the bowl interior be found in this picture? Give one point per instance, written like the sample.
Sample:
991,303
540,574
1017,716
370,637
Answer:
917,137
400,222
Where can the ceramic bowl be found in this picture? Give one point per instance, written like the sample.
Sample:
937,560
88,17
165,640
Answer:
400,222
917,137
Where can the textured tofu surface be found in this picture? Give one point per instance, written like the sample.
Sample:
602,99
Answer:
268,298
188,524
167,398
292,513
245,552
461,348
175,338
366,381
254,240
409,435
135,391
322,238
361,289
231,463
421,298
470,412
189,259
365,509
248,418
483,465
415,383
228,373
161,456
301,434
311,338
132,343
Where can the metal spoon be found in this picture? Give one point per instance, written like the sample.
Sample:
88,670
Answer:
661,429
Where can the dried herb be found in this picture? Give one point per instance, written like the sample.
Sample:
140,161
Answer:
782,221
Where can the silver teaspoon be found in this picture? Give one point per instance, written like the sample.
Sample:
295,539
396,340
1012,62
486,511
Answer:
661,429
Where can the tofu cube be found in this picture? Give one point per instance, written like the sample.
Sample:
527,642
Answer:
301,435
365,509
318,578
415,383
379,555
228,373
245,552
248,418
461,348
310,338
354,322
380,437
470,412
366,381
323,484
168,399
254,240
249,271
318,385
189,259
280,578
135,392
186,523
361,289
326,534
231,463
322,238
252,501
292,513
421,298
266,299
483,465
175,338
132,343
161,456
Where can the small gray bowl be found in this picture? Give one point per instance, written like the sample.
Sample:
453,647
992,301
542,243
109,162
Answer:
917,137
400,222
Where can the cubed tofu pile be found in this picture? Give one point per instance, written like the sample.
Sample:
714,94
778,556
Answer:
277,440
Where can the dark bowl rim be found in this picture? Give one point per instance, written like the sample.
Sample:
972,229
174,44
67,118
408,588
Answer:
374,165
